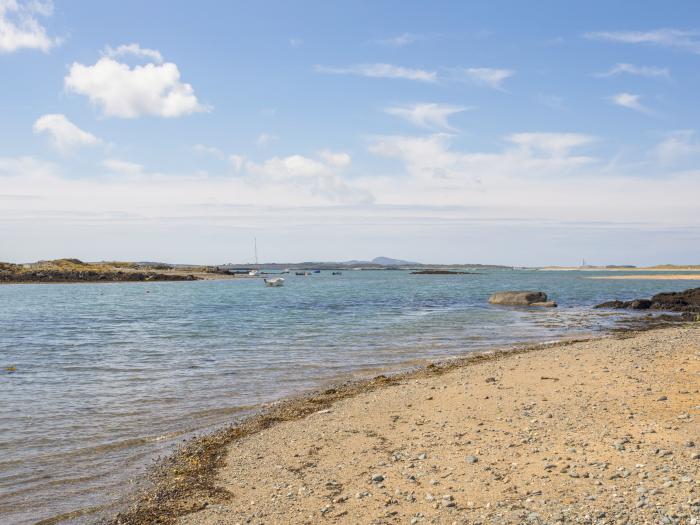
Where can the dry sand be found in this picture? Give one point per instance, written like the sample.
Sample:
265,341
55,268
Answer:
603,431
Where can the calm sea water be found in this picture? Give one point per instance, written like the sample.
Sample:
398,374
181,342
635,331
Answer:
111,375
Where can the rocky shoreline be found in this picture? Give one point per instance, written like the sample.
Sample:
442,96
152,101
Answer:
687,301
76,271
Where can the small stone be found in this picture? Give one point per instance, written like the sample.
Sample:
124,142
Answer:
662,398
423,456
472,459
377,478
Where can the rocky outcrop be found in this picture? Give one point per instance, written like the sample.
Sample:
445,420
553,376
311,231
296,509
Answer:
686,301
521,298
68,276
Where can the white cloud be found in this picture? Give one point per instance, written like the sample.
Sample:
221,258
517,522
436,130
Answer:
126,92
551,144
209,150
134,50
122,167
427,115
20,27
666,37
677,146
296,42
381,71
399,40
266,138
63,134
630,101
318,177
631,69
485,76
336,159
237,162
431,160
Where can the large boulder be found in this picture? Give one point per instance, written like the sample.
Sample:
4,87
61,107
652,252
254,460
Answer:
521,298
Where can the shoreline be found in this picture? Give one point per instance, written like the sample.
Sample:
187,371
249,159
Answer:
188,480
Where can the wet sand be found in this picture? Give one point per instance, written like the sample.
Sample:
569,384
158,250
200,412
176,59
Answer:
599,431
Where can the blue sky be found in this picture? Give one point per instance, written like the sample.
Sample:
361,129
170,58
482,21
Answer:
496,132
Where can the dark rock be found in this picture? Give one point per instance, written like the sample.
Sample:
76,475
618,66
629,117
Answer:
687,301
640,304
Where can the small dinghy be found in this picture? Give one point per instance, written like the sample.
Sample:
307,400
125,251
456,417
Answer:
277,281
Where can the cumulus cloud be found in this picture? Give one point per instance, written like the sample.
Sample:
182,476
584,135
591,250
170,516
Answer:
381,71
129,92
631,69
485,76
64,136
20,27
630,101
427,115
122,167
665,37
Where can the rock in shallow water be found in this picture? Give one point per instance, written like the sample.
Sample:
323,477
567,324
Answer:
521,298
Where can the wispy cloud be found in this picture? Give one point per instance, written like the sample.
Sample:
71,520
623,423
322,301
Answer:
484,76
266,138
427,115
209,150
381,71
122,167
667,37
551,144
399,40
642,71
677,146
296,42
133,50
630,101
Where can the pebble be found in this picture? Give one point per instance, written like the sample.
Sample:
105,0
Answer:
472,459
377,478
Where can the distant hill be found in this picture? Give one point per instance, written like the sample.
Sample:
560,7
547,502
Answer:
388,261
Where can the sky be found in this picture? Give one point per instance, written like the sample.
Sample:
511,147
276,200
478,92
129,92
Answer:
520,133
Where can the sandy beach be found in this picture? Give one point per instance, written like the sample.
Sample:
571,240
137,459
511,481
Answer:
599,431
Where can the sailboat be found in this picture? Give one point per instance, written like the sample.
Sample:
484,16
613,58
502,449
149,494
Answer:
255,271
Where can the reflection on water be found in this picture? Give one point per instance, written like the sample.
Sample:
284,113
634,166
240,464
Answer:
110,375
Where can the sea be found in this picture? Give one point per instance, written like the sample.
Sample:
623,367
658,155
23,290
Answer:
108,377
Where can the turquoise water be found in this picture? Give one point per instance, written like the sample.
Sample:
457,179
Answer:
111,375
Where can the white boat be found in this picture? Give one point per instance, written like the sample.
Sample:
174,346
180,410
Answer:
253,273
277,281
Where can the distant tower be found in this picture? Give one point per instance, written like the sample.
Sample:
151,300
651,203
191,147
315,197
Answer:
583,263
